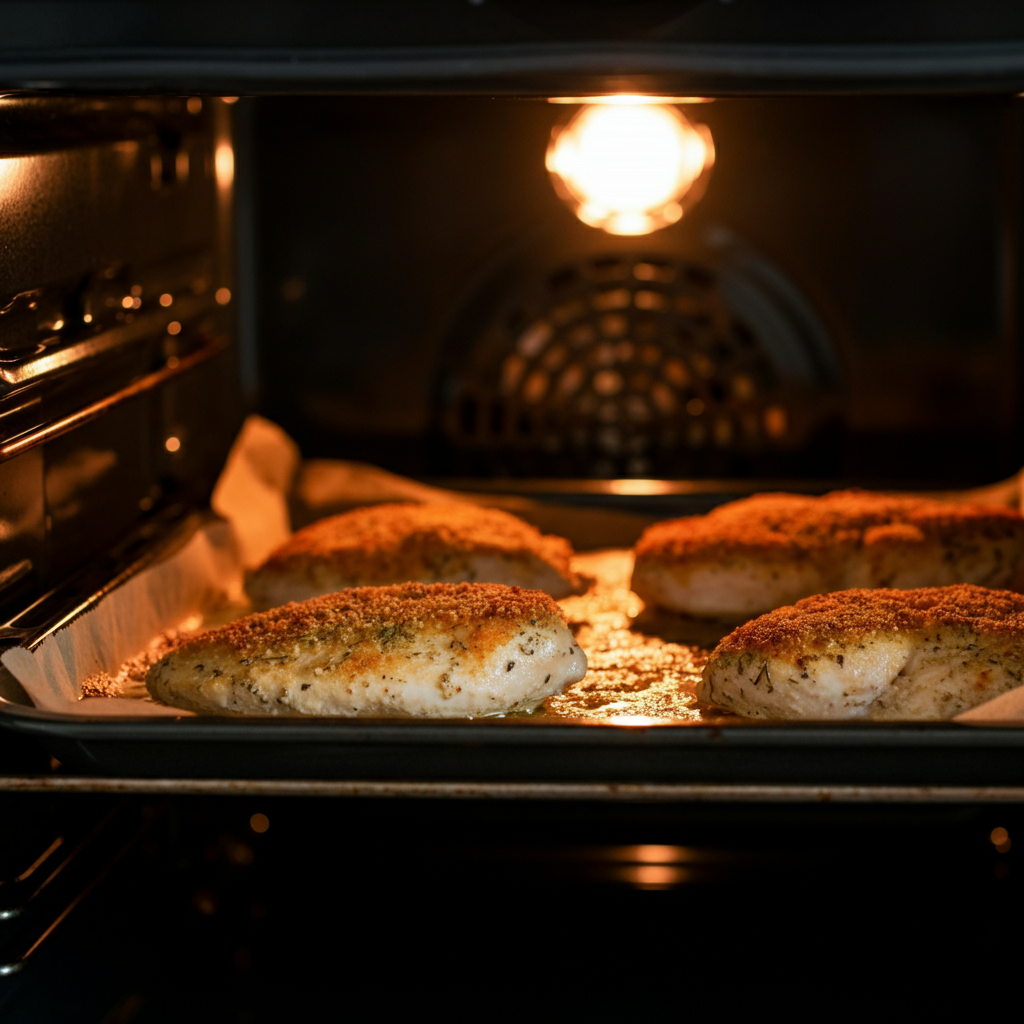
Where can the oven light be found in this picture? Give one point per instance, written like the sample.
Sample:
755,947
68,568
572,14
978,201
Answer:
630,166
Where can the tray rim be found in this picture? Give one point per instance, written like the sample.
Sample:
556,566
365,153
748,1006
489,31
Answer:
506,731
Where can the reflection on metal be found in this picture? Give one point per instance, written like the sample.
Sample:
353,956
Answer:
1000,839
631,99
724,489
610,791
60,358
15,173
15,572
153,541
108,841
78,471
92,411
224,164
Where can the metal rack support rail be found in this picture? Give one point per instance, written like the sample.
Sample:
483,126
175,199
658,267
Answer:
596,791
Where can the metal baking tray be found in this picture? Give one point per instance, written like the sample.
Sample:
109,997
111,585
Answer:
517,750
485,750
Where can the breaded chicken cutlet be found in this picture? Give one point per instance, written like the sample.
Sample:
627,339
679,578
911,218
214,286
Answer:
397,543
750,556
444,650
890,655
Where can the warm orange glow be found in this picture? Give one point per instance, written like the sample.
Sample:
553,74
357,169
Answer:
224,162
1001,839
639,487
259,823
656,876
625,166
635,720
127,302
223,296
16,172
166,299
775,421
650,854
194,104
627,100
87,318
58,324
172,444
174,327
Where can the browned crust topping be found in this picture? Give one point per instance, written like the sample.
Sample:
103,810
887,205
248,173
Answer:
849,614
794,525
385,615
381,541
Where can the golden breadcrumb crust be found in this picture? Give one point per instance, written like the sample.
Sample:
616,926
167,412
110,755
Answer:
397,541
851,614
384,614
792,526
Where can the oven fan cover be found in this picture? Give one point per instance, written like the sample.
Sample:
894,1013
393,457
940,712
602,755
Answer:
635,365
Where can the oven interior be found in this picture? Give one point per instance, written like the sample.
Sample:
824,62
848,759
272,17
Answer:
402,286
838,305
393,279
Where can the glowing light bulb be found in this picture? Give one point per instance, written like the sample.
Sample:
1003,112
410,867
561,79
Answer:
630,167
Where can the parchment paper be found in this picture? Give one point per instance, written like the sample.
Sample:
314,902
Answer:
203,578
205,574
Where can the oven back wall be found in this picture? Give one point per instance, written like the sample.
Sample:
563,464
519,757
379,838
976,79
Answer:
394,231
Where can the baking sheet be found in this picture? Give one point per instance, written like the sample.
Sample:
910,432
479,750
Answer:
633,676
96,665
643,666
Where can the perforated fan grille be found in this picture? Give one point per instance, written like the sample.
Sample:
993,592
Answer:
619,367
